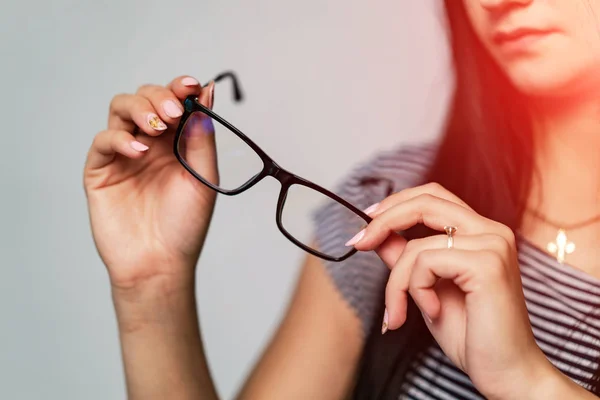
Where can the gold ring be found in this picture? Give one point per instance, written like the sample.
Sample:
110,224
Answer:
450,231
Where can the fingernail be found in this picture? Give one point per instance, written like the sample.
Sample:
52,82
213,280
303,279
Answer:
172,109
212,94
371,209
384,325
356,238
427,318
155,122
189,81
137,146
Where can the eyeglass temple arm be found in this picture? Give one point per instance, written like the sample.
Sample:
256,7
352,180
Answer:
237,91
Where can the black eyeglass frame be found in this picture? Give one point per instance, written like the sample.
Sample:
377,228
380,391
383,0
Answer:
270,168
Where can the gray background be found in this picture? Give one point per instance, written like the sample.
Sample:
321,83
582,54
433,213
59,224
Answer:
335,80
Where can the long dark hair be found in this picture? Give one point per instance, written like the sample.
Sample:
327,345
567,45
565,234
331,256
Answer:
486,158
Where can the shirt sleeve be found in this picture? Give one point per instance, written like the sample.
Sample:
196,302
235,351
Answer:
362,278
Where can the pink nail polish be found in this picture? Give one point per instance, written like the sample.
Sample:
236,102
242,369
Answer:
189,81
137,146
212,95
172,109
427,318
371,209
384,325
356,238
155,122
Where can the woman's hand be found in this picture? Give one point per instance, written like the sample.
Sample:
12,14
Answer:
470,295
149,216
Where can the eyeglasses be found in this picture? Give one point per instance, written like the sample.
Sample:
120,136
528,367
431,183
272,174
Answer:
241,164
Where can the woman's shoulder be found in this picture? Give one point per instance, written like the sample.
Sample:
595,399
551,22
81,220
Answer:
361,278
388,171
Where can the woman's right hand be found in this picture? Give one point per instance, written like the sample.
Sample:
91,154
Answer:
149,216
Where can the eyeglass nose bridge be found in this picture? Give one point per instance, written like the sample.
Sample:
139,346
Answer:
283,176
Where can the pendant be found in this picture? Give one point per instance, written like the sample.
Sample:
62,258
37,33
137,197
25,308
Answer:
561,247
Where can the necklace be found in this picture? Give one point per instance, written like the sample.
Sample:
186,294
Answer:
562,246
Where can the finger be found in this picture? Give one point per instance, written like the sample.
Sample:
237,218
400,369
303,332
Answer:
399,279
187,85
108,144
391,249
469,270
432,211
183,86
128,111
434,189
164,101
197,141
207,97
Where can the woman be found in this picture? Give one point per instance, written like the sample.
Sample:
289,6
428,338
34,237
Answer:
496,315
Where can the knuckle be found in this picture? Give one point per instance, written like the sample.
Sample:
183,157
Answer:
434,187
499,243
427,199
116,100
411,246
506,232
99,137
147,88
421,260
509,235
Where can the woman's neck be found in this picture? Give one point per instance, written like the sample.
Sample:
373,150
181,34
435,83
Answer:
567,157
566,187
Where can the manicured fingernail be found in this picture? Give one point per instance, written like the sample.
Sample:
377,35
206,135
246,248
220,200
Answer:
212,95
384,325
427,318
371,209
155,122
356,238
137,146
189,81
172,109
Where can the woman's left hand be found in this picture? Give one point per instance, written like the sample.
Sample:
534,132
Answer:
470,295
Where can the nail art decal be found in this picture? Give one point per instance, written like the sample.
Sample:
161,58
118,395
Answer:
384,325
155,122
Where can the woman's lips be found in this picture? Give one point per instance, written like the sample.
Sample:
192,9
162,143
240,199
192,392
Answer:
520,40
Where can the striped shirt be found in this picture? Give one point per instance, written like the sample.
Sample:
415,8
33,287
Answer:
562,301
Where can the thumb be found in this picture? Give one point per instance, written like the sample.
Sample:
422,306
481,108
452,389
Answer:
391,250
197,142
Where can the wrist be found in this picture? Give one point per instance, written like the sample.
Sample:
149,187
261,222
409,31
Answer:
143,271
543,381
528,379
155,302
554,385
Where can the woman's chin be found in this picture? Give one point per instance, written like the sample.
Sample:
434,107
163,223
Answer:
554,82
